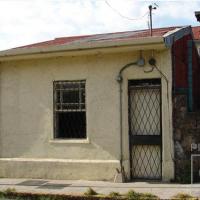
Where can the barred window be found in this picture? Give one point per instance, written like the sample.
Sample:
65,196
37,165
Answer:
69,109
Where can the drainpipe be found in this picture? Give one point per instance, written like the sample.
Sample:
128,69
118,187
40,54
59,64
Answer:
140,63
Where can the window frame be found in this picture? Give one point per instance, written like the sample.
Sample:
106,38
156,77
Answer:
55,135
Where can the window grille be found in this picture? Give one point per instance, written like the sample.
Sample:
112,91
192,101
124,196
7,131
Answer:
69,109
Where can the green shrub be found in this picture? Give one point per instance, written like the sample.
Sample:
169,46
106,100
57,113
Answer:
90,192
46,198
132,195
114,194
10,191
183,196
146,196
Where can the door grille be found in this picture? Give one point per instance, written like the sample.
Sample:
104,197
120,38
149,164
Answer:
145,129
145,111
146,163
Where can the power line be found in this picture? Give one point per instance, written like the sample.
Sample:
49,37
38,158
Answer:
128,18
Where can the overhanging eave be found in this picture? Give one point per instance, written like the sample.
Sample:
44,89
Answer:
84,49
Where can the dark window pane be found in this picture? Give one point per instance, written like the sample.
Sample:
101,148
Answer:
71,85
71,124
71,96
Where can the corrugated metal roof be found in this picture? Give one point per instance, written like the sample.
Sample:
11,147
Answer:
117,36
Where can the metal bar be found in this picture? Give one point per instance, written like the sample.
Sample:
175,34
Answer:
54,113
140,87
130,140
61,98
70,110
161,133
70,89
70,103
146,179
143,82
146,139
79,93
70,82
191,169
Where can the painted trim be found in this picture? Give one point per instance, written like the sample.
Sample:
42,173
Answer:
175,35
57,160
69,141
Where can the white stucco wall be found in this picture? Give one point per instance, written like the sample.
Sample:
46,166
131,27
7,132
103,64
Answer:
27,148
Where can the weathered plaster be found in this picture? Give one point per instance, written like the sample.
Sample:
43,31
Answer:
26,115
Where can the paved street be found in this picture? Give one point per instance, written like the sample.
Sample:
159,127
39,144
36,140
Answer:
163,190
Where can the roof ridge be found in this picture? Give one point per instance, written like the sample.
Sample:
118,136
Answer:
119,32
114,36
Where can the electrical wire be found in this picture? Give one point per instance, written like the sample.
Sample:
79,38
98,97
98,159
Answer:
123,16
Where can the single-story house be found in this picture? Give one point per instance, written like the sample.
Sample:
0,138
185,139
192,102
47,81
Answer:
98,107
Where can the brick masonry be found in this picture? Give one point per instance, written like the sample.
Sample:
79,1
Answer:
186,128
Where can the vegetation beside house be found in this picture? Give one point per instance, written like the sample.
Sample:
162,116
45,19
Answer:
90,194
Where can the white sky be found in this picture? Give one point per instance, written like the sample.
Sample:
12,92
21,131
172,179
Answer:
28,21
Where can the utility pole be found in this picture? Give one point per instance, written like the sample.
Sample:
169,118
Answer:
150,16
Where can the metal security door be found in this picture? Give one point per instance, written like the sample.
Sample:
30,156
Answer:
145,129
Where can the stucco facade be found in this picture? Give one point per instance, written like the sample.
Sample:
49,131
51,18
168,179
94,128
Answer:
27,146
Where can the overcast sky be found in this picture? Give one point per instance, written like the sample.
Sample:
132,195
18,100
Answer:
29,21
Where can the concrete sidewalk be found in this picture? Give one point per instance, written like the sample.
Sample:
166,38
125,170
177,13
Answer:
163,190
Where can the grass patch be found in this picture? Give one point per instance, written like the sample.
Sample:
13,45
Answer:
10,190
90,192
132,195
114,195
7,192
145,196
183,196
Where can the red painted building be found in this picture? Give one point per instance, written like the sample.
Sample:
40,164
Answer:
186,68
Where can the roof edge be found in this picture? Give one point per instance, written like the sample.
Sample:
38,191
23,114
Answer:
176,34
13,54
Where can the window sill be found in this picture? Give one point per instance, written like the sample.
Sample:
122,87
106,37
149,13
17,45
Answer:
69,141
